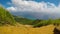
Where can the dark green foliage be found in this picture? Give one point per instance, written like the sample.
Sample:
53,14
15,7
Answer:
56,22
6,17
36,21
41,23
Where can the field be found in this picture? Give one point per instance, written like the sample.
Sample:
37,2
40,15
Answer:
22,29
24,25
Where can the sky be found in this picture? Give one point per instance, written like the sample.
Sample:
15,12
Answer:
5,2
33,9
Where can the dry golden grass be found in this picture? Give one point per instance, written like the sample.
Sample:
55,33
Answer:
21,29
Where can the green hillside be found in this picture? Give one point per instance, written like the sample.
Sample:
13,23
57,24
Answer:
37,22
5,17
22,20
55,22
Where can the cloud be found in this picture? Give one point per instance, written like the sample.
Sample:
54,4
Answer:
35,9
11,9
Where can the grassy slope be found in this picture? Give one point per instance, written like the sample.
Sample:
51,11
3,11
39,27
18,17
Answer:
21,29
22,20
5,17
55,22
37,22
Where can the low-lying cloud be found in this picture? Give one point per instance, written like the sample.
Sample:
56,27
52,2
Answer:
40,10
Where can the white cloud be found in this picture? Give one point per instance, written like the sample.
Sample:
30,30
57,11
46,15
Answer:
32,6
11,9
23,5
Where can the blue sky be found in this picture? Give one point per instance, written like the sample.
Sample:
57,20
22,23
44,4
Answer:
4,2
51,1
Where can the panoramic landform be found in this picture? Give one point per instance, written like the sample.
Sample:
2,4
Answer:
29,16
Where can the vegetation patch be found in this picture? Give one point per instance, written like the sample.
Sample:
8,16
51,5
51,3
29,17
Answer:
6,17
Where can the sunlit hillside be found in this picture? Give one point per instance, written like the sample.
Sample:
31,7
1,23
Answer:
22,29
6,17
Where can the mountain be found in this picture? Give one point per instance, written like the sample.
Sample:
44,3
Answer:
5,17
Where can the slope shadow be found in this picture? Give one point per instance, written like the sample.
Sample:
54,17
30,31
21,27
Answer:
56,31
